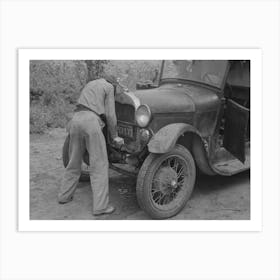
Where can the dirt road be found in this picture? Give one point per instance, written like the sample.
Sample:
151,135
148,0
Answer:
214,198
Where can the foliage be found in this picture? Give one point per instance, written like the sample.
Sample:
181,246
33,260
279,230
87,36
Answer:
95,68
132,71
45,114
55,85
55,77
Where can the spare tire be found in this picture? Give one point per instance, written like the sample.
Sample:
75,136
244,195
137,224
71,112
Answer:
65,158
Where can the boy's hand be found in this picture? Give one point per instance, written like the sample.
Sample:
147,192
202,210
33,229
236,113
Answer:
118,141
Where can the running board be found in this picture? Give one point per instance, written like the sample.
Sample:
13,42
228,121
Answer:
229,165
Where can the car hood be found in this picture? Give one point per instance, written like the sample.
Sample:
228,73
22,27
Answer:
178,98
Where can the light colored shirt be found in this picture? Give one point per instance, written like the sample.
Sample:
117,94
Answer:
98,95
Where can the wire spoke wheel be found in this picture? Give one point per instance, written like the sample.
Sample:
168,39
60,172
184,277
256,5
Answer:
165,182
168,181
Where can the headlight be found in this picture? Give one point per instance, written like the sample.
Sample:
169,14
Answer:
143,115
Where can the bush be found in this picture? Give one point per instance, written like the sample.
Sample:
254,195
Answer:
55,86
49,114
132,71
56,77
38,118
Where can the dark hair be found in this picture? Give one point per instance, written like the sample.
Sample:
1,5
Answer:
110,79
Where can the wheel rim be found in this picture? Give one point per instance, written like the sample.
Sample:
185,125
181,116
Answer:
170,183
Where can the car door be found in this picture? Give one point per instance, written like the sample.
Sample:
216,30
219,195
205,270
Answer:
236,125
237,109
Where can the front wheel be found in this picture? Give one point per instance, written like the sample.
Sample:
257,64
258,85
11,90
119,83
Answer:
165,182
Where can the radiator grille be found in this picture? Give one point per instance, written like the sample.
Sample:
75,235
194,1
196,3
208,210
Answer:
125,112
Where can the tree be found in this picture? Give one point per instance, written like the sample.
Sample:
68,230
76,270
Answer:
95,68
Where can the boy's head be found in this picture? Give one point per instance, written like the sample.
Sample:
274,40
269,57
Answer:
110,79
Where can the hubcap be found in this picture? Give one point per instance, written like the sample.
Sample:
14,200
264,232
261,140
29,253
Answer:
173,184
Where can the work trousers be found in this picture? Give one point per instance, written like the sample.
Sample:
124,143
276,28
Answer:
86,133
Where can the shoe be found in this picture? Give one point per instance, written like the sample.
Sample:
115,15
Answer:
64,202
108,210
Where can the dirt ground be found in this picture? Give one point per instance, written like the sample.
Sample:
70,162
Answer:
214,198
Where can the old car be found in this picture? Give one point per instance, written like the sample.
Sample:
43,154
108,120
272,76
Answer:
194,119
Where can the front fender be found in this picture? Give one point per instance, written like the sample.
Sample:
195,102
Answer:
165,139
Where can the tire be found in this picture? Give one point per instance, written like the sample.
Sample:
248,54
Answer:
165,182
65,153
65,158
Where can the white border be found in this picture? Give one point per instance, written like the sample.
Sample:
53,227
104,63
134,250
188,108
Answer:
254,224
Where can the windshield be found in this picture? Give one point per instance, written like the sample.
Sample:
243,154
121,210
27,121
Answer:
209,72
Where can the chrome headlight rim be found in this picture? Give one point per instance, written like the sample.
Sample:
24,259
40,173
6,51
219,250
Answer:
149,113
